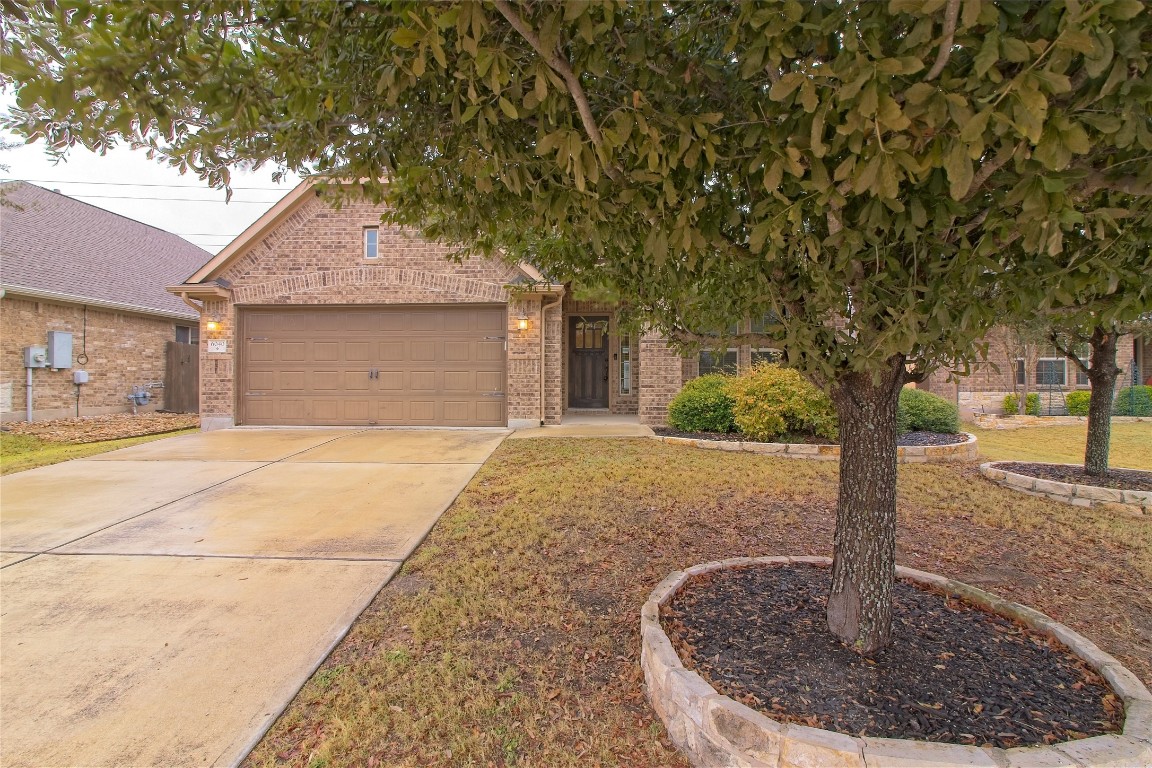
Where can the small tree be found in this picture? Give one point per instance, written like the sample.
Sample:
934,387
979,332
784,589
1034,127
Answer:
874,176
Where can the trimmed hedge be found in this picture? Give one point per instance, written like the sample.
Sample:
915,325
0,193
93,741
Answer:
1077,402
703,405
1012,404
770,401
924,411
1133,401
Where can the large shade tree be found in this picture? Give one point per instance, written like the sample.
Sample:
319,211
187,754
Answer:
873,177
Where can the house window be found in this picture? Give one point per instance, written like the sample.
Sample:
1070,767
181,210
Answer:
765,355
712,362
1081,378
186,334
1050,372
371,242
625,365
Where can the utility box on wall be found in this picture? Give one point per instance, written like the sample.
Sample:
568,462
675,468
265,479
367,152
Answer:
35,357
59,349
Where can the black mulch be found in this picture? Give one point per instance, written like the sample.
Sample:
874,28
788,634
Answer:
908,438
1121,479
953,672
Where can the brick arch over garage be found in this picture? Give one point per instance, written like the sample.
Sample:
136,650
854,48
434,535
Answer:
434,285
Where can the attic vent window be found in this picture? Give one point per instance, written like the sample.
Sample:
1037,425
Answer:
371,242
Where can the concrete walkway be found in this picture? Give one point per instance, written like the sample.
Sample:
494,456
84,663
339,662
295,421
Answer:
589,425
162,604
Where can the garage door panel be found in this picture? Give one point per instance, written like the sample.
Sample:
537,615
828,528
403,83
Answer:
326,381
422,381
391,351
489,351
490,411
258,381
290,381
459,381
358,351
422,411
293,351
424,351
326,351
262,351
333,366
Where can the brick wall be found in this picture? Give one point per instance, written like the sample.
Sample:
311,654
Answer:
663,377
124,350
315,256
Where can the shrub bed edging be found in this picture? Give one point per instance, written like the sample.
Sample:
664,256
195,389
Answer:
1132,502
711,729
905,454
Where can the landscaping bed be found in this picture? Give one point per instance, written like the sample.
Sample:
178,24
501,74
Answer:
113,426
953,674
1119,479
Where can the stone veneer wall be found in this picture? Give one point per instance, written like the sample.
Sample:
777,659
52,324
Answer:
315,257
124,350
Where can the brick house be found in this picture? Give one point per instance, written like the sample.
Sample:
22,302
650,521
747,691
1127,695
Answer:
72,273
1049,374
317,315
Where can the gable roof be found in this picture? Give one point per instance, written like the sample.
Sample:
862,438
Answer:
56,247
265,224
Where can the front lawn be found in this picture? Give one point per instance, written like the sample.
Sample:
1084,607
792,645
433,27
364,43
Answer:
20,452
1131,444
510,637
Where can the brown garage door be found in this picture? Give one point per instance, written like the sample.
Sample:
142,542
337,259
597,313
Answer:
404,366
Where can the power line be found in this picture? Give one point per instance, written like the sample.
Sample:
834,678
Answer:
172,199
133,184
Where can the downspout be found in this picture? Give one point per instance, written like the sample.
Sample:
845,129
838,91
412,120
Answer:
198,307
544,324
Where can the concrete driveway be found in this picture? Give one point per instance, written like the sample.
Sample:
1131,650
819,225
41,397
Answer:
163,603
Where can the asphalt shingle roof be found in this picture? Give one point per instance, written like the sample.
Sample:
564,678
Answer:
52,242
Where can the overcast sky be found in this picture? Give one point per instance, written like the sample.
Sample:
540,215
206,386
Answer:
127,182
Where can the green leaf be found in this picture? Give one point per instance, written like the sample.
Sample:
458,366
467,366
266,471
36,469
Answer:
919,93
784,87
508,108
406,38
989,53
973,131
959,170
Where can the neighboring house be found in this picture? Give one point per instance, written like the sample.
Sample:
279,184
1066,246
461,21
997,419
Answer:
95,279
324,316
1012,367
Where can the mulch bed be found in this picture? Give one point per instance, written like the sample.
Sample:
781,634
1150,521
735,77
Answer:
908,438
1120,479
112,426
953,672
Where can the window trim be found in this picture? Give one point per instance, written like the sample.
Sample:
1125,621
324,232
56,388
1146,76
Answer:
375,246
721,369
1036,372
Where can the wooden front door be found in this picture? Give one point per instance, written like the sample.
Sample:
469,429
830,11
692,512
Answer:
588,362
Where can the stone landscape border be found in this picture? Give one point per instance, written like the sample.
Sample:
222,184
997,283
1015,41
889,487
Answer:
1132,502
905,454
714,730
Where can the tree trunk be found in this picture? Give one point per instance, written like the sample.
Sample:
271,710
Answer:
863,568
1102,374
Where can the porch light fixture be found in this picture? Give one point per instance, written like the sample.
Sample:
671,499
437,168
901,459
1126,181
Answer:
213,322
522,323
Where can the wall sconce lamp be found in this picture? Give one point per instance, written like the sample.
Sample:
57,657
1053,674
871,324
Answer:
522,323
213,322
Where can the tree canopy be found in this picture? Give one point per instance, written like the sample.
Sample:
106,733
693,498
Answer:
887,164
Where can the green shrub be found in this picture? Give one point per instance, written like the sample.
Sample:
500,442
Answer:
1133,401
920,410
1032,408
770,401
1077,402
703,405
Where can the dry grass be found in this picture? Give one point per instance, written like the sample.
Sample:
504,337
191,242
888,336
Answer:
21,452
510,636
1131,444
